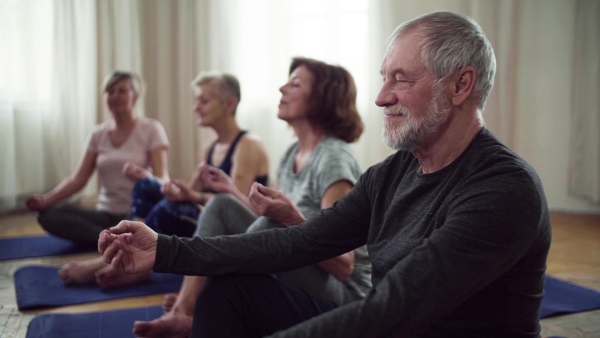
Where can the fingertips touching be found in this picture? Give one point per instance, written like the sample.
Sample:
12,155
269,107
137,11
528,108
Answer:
254,187
116,261
109,252
103,240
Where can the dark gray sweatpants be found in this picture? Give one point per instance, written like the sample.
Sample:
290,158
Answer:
82,226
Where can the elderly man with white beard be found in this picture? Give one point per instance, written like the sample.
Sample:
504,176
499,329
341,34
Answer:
457,224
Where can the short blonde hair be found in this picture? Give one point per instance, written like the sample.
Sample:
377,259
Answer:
137,84
224,83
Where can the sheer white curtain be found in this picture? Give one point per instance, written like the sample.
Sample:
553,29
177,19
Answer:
24,93
173,34
584,149
74,88
119,42
39,98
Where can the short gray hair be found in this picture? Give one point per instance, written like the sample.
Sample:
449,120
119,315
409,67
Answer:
224,83
451,42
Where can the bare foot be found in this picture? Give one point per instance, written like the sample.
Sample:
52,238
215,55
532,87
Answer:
168,301
80,272
172,324
108,278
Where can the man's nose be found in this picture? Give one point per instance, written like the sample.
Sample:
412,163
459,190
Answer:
386,97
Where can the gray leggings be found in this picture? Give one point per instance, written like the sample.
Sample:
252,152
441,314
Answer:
82,226
225,215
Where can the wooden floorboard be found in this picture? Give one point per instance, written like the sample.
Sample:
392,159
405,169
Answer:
574,256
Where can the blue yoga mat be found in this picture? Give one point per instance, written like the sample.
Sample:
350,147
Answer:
40,286
562,297
109,324
37,246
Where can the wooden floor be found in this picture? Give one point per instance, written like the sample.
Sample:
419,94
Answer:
574,256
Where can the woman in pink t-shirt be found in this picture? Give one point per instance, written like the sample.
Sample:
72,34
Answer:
123,150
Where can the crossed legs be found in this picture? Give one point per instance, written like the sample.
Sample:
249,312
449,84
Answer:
222,215
252,306
149,205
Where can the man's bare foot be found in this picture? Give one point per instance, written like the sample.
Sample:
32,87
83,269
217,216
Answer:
108,278
171,324
168,301
80,272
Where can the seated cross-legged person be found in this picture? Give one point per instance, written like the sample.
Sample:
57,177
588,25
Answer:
170,206
316,171
121,150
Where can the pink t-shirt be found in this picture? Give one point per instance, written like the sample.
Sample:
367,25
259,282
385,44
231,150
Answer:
115,188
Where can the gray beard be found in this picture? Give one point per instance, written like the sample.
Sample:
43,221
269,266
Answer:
414,133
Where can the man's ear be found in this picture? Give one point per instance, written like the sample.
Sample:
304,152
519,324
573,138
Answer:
462,85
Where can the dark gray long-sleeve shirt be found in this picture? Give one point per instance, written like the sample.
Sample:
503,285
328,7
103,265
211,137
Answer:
459,252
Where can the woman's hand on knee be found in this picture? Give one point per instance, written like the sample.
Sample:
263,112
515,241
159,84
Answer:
36,203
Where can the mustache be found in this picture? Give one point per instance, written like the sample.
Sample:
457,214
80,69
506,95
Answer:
396,111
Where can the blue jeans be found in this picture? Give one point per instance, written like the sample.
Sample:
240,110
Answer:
160,213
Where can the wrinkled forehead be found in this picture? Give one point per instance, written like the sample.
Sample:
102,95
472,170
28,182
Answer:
403,52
